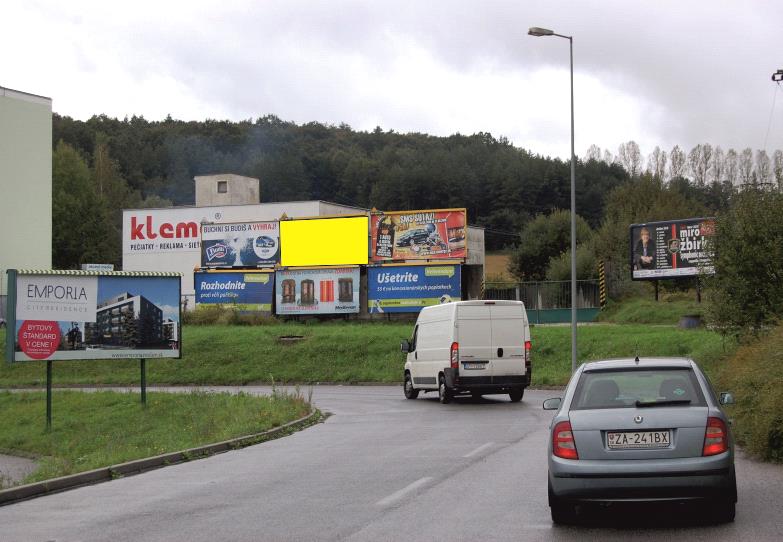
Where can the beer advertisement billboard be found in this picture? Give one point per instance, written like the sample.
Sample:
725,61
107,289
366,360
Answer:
419,235
317,291
240,244
82,315
408,288
245,291
671,249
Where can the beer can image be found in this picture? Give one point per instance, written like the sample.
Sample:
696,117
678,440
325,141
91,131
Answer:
327,291
289,291
308,292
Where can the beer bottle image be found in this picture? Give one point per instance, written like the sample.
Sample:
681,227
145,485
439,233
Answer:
384,239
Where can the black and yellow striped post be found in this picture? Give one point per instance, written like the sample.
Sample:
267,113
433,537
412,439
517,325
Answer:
601,284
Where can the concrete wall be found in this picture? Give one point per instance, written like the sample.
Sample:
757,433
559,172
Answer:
239,190
25,182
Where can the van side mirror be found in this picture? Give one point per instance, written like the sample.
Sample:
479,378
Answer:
553,403
726,398
405,346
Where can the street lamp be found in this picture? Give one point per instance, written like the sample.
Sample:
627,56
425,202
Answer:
538,32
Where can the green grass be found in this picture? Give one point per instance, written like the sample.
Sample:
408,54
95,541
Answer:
350,352
667,311
93,430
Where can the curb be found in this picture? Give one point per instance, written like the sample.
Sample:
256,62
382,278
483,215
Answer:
38,489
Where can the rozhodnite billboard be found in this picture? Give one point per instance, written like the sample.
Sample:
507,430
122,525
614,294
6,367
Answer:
419,235
317,291
242,244
671,249
248,291
82,315
409,288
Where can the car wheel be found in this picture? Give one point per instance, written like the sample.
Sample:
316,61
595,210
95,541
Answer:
516,395
444,393
410,392
476,395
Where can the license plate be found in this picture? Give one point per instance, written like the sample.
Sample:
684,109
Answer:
469,366
630,440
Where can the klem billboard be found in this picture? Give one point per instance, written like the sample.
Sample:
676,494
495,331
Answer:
419,235
409,288
671,248
324,241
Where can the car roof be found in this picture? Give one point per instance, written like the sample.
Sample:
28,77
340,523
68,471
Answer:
638,363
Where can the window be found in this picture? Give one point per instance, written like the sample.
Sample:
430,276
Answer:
623,388
222,187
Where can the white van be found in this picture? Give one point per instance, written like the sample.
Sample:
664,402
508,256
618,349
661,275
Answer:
476,347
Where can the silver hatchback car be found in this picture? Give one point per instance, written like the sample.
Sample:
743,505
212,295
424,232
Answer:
637,430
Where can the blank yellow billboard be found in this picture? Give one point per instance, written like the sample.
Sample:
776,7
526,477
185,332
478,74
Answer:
324,241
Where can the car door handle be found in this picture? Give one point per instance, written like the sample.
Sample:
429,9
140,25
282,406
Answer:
500,352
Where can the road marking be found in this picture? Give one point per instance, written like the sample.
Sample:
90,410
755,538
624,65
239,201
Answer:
397,495
479,449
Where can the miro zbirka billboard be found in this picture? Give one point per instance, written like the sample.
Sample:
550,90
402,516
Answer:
248,291
411,287
671,248
240,244
85,315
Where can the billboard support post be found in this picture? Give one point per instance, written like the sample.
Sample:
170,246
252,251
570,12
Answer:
143,364
656,290
48,395
698,290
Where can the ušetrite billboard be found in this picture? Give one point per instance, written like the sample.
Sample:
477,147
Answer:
671,249
411,287
419,235
247,291
242,244
324,241
317,291
79,315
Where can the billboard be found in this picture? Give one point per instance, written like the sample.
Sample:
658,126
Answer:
409,288
82,315
671,249
324,241
419,235
248,291
317,291
240,244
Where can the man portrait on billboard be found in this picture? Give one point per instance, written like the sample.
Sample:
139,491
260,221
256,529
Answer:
644,251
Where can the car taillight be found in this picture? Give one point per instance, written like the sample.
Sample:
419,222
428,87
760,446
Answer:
528,346
455,355
563,444
716,437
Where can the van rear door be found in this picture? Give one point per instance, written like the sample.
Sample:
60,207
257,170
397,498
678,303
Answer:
474,335
509,333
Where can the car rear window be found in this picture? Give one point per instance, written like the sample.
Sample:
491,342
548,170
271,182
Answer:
631,388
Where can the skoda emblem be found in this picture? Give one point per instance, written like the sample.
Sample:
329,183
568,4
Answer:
638,419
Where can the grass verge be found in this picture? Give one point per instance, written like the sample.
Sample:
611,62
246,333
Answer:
350,352
668,310
93,430
755,376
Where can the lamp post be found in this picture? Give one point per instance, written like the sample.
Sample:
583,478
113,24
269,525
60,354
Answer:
539,32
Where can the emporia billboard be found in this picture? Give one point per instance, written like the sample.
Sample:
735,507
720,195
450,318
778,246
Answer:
671,248
84,315
324,241
419,235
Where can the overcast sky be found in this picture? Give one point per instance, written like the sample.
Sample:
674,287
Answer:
659,72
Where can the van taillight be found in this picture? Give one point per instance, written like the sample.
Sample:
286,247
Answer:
716,437
563,444
455,355
528,346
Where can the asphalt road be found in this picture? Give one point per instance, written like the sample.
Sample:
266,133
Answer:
379,468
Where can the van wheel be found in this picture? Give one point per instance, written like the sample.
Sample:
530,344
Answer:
516,395
410,392
444,393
